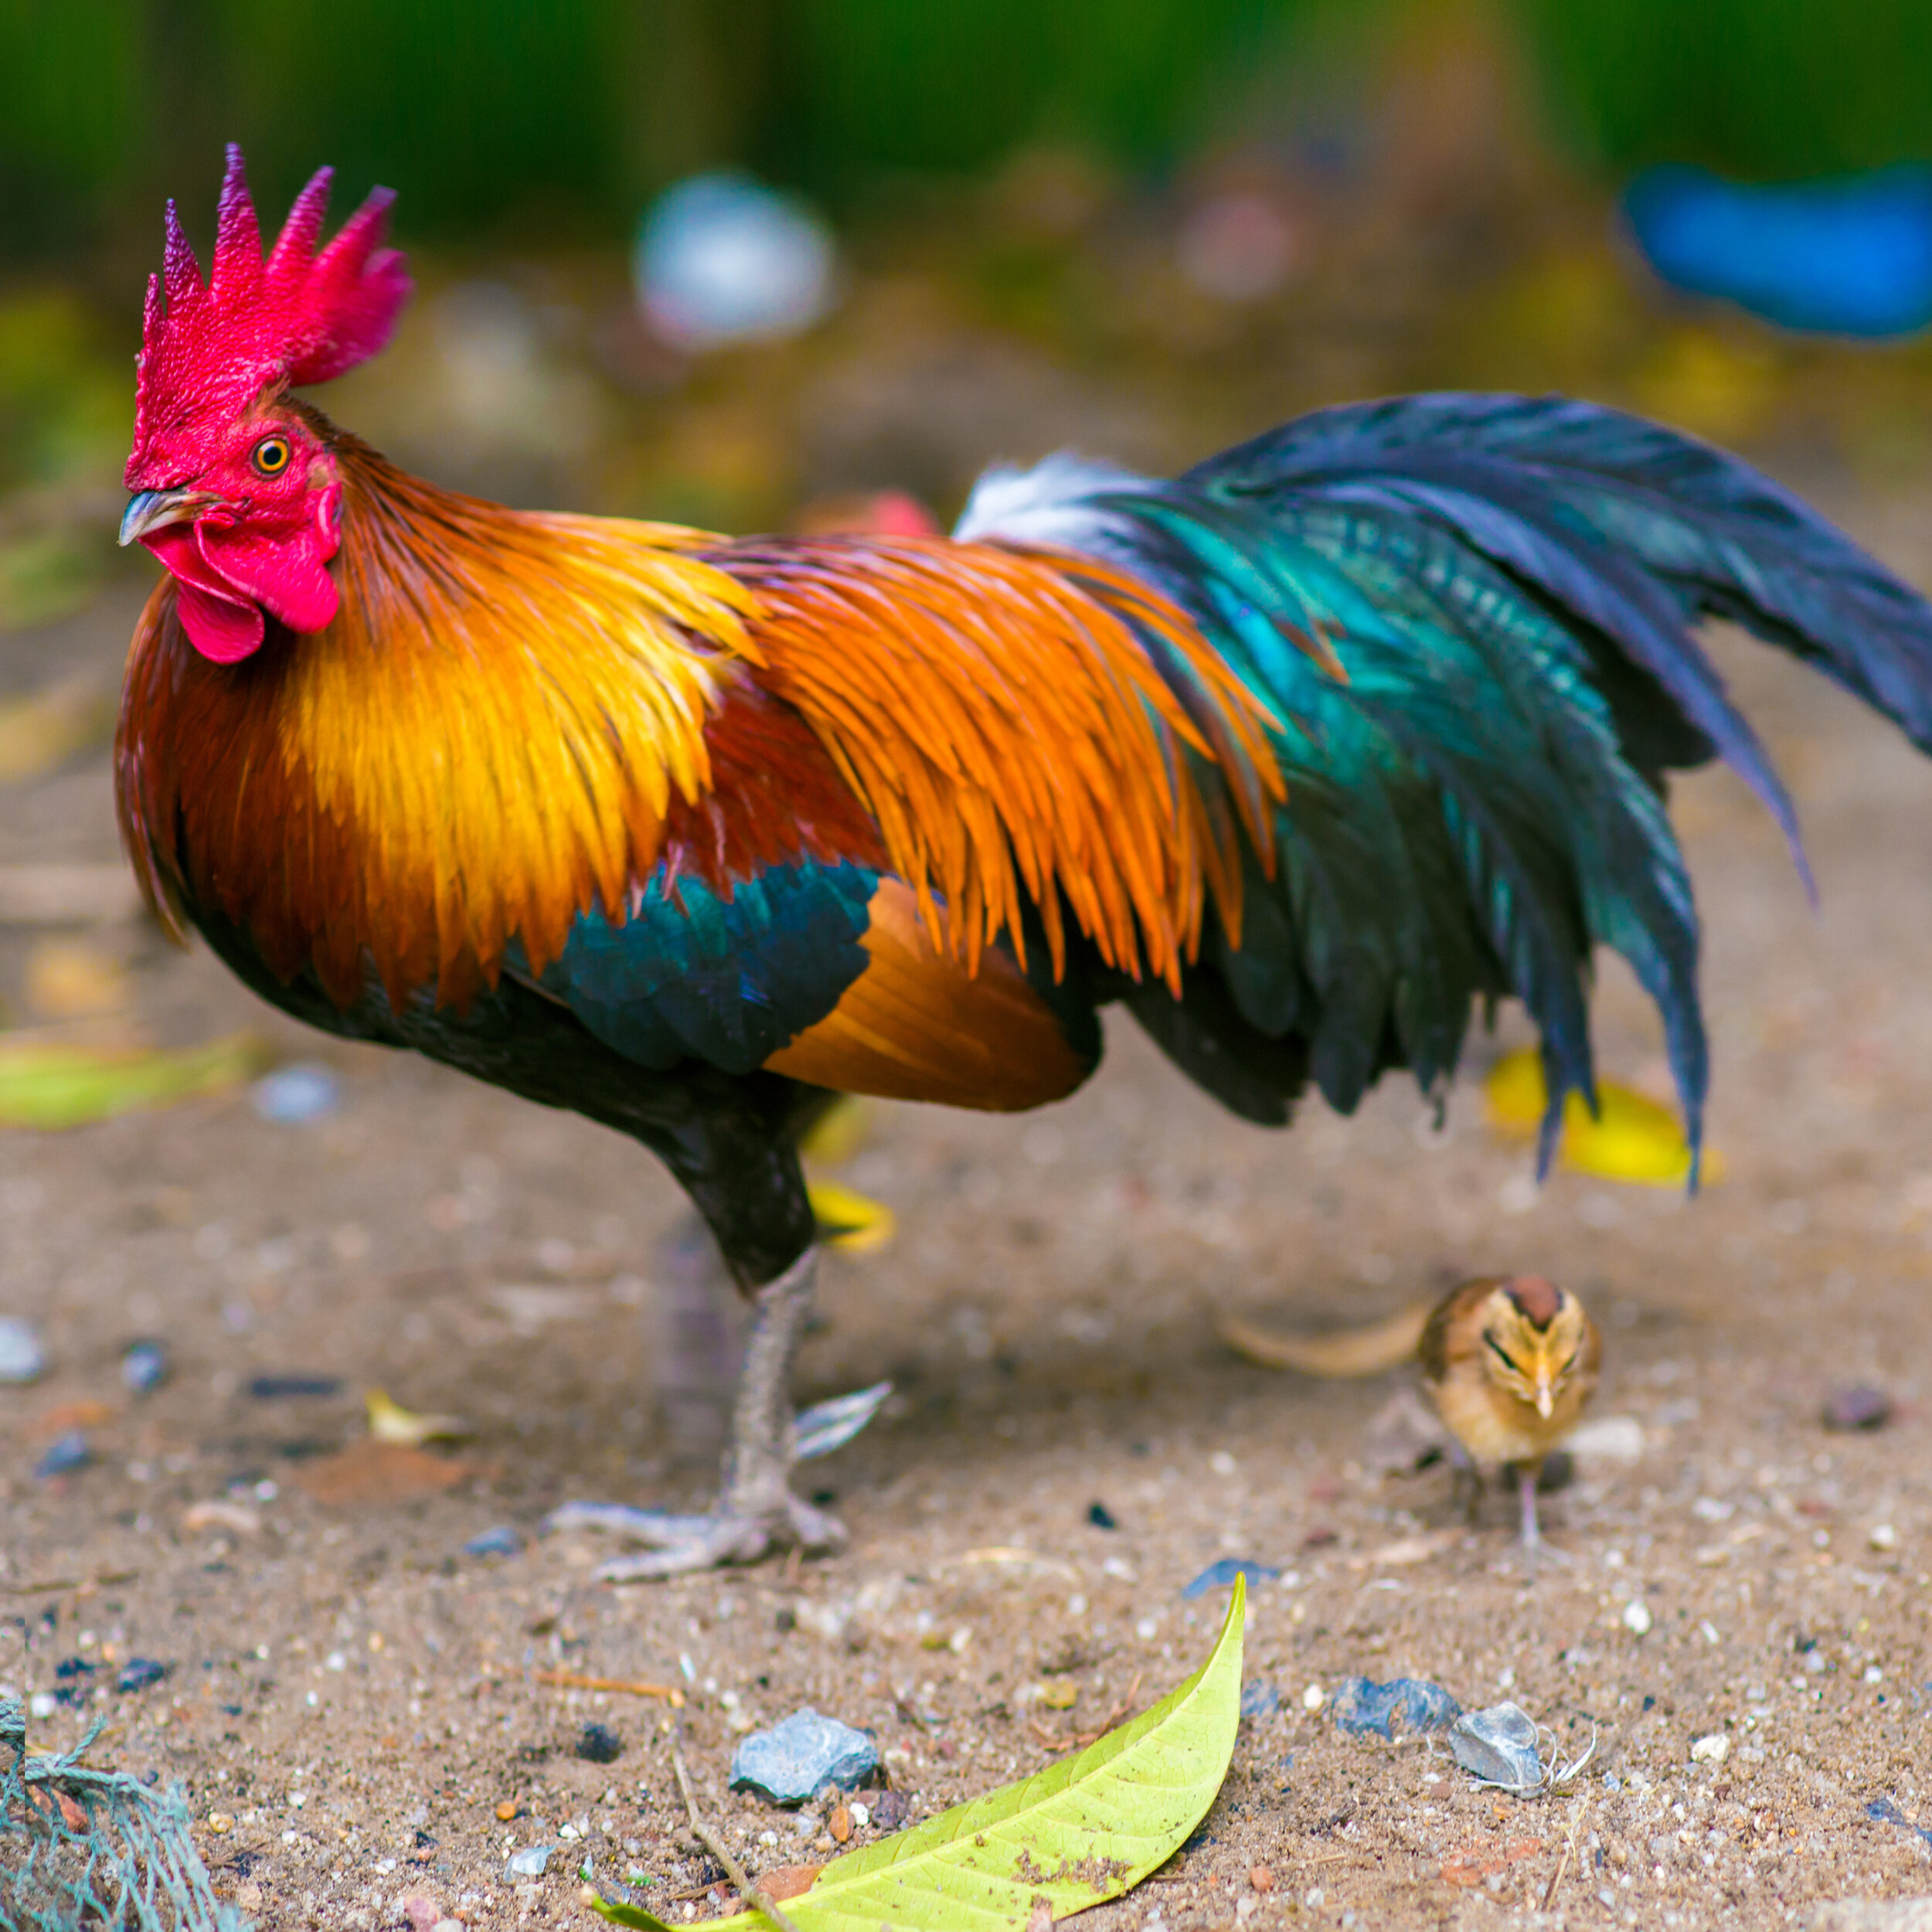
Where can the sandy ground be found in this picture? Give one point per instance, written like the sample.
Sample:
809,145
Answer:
351,1701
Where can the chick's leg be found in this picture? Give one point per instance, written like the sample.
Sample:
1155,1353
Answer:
1526,1475
756,1512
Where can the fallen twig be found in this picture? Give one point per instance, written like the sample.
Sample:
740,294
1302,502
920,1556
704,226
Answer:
1570,1848
636,1686
753,1895
50,1584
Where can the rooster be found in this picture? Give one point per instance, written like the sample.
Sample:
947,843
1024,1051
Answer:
1297,758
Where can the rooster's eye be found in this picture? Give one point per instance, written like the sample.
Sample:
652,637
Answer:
271,456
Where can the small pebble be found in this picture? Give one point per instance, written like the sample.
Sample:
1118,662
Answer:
1101,1517
1711,1749
839,1824
1261,1879
1860,1406
889,1810
144,1366
140,1674
280,1388
290,1095
1221,1576
21,1357
506,1809
502,1541
67,1452
1636,1617
531,1861
1259,1700
599,1745
1360,1705
861,1815
1311,1698
1883,1536
1498,1745
797,1758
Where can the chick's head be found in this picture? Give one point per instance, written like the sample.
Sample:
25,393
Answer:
1533,1340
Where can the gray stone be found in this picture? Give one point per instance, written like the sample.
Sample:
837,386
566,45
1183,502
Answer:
794,1760
1498,1745
21,1357
531,1861
144,1366
1360,1704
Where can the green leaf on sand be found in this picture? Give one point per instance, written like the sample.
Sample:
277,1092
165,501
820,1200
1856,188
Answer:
1079,1832
45,1085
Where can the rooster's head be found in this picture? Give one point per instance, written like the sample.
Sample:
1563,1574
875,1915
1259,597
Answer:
235,489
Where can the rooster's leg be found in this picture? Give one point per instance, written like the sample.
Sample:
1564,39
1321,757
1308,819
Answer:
757,1512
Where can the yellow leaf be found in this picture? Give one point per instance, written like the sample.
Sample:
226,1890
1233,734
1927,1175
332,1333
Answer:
1632,1137
839,1133
852,1223
47,1086
1083,1831
46,728
69,979
389,1421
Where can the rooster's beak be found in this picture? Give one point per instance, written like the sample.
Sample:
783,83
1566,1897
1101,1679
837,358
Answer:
154,509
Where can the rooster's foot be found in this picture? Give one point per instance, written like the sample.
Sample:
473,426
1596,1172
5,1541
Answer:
678,1544
757,1514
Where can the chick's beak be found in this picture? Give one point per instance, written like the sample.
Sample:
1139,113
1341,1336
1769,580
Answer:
149,510
1545,1400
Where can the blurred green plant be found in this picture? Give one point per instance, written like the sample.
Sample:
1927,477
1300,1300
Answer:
65,399
65,403
1770,89
485,113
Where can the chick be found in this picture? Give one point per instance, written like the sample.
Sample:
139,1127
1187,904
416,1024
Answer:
1510,1363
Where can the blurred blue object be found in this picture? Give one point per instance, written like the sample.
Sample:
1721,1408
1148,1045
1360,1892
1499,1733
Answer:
1849,257
722,258
305,1090
1221,1576
67,1452
144,1366
1360,1704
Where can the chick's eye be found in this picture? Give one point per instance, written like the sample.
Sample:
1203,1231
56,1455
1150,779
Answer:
271,455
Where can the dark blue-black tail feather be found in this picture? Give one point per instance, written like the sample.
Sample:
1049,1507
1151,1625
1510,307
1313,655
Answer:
1510,586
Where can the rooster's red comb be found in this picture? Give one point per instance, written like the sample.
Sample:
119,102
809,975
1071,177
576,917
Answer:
295,316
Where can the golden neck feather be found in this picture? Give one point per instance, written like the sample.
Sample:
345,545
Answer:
483,744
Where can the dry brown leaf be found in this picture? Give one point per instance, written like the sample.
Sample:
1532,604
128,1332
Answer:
85,1414
374,1473
788,1881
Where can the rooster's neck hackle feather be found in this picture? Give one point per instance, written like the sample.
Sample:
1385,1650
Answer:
1025,725
485,743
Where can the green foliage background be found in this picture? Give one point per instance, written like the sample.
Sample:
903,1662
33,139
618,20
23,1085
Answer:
496,115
